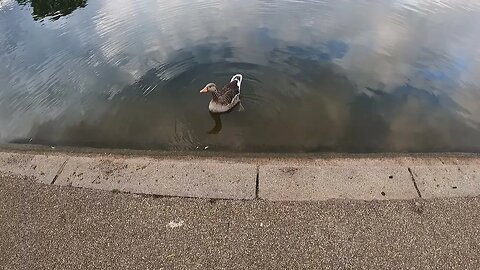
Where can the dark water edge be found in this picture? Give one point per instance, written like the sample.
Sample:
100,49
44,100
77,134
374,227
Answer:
219,155
221,152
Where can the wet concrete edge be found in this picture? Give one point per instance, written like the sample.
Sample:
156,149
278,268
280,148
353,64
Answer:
276,177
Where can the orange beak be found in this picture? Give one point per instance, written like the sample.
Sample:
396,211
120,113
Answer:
204,90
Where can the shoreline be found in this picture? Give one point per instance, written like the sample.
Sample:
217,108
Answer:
247,176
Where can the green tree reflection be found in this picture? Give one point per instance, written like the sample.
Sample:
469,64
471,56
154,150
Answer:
53,9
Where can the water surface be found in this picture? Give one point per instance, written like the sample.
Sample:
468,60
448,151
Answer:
342,76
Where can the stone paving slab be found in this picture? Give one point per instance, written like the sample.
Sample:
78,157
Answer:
447,180
42,168
282,183
278,179
202,179
379,161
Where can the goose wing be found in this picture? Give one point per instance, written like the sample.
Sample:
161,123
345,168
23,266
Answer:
228,92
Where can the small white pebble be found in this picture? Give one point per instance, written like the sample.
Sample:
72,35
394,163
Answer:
206,147
261,224
175,224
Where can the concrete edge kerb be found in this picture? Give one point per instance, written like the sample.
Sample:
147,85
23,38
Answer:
290,179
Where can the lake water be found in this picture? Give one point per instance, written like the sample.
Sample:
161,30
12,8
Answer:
337,76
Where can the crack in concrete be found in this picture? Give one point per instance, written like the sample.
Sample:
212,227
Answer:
441,160
257,182
60,170
415,183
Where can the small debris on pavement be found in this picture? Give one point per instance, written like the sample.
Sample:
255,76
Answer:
175,223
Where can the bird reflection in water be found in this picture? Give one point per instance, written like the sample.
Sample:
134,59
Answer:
218,120
218,123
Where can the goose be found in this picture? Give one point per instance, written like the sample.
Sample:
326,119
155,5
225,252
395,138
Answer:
225,99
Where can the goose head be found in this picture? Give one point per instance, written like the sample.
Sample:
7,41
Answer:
211,87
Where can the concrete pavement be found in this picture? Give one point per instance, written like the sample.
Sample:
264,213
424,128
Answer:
61,227
377,177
